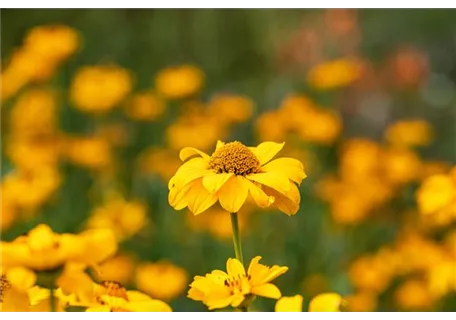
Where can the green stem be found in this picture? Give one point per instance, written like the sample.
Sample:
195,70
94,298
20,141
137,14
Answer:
52,298
236,237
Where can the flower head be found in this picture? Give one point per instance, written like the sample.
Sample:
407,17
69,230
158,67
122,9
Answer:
231,174
220,289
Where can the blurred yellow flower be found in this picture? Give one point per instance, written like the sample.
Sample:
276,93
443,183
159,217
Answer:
109,296
441,278
162,280
370,273
437,193
362,301
233,172
409,133
42,249
334,74
118,268
326,302
145,106
179,82
160,161
231,108
219,289
98,89
14,285
91,152
124,218
400,166
269,128
413,295
289,304
53,42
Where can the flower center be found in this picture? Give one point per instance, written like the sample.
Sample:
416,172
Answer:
234,158
238,285
4,286
115,289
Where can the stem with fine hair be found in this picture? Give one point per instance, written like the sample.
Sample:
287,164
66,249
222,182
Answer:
236,237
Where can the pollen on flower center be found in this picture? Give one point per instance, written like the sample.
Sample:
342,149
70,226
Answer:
234,158
235,284
4,286
115,289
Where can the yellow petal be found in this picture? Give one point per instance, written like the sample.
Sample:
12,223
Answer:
188,172
195,294
219,144
233,194
267,150
273,180
219,303
325,302
188,152
253,264
199,199
21,278
177,197
289,167
235,268
213,182
259,196
274,272
150,305
99,309
267,290
289,304
284,203
100,244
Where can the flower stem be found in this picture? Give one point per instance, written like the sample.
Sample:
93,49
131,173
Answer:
52,298
236,237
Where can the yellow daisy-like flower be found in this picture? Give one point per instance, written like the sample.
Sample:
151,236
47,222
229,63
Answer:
220,289
231,174
325,302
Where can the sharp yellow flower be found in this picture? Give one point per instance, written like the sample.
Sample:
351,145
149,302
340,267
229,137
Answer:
42,249
220,289
231,174
109,296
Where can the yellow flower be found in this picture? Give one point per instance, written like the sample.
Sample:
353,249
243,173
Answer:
370,273
98,89
124,218
326,302
179,82
413,295
234,172
231,108
159,161
14,284
91,152
53,42
42,249
220,289
161,280
437,193
144,107
109,296
334,74
289,304
400,165
362,301
268,128
409,133
119,268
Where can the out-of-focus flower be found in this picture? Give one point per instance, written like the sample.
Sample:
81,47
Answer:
269,128
160,161
8,209
359,158
42,249
441,278
326,302
14,285
118,268
145,106
370,274
98,89
91,152
124,218
400,166
219,289
413,295
231,174
409,133
334,74
109,296
52,42
218,222
289,304
408,68
231,108
179,82
362,301
162,280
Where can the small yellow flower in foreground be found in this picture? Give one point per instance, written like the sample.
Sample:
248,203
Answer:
326,302
231,174
109,296
162,280
42,249
179,82
220,289
289,304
